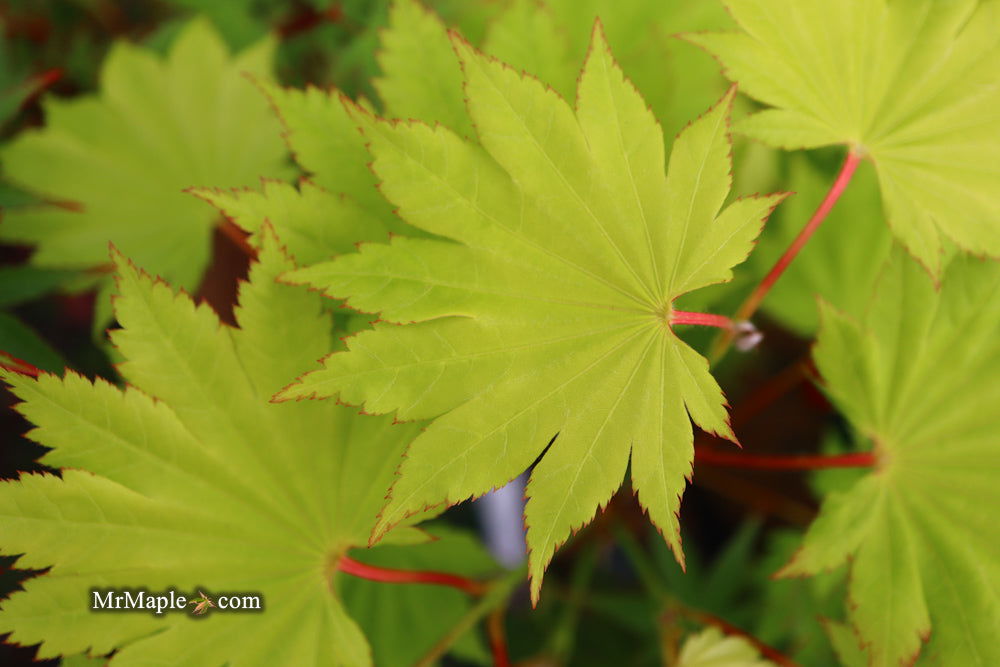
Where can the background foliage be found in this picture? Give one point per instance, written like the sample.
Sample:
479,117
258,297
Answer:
215,146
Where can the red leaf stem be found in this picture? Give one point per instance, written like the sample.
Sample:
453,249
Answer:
750,306
12,363
393,576
39,83
711,456
771,654
752,302
702,319
498,638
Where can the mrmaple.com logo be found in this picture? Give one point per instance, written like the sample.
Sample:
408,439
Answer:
125,599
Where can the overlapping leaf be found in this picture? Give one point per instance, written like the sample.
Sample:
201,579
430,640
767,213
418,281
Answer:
124,156
421,78
710,648
190,479
546,309
914,85
917,376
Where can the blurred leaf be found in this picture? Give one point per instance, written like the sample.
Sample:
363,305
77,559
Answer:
842,259
158,126
24,283
19,340
787,615
846,644
711,648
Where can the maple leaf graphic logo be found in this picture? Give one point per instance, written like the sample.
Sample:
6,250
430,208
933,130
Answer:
202,603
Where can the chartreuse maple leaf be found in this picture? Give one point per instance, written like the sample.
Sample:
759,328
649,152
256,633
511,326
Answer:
421,78
189,478
711,648
913,85
917,375
157,126
546,308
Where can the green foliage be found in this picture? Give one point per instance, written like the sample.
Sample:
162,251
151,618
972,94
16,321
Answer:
621,239
508,245
710,648
125,156
918,529
420,77
910,84
188,478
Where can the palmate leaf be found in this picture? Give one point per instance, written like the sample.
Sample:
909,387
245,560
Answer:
125,156
421,79
189,478
710,648
546,310
915,85
918,376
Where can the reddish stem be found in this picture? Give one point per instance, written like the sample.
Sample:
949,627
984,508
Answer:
769,392
749,307
12,363
770,462
836,190
39,83
702,319
389,575
498,638
768,652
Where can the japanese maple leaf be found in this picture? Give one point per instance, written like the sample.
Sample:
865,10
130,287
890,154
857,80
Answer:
914,85
190,478
545,309
124,156
917,375
421,79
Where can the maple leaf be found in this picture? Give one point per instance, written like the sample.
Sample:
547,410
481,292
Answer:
124,156
421,78
917,376
189,477
546,310
911,84
710,648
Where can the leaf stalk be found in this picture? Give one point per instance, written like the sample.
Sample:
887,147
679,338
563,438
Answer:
392,576
701,319
769,462
756,297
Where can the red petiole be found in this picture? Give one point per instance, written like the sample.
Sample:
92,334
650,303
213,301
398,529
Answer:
12,363
774,462
388,575
752,302
702,319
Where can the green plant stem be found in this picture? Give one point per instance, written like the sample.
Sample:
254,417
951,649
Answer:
495,596
644,569
565,632
711,456
756,297
673,606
